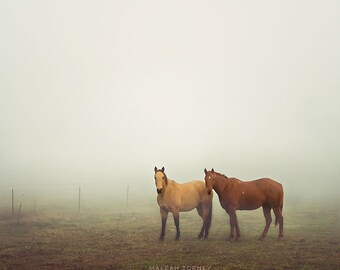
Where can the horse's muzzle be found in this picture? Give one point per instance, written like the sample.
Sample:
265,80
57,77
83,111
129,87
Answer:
159,190
209,192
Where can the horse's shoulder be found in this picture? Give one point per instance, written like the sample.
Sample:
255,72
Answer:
193,182
171,187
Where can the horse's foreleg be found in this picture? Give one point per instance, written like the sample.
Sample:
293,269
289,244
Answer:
268,217
164,216
233,221
176,220
238,232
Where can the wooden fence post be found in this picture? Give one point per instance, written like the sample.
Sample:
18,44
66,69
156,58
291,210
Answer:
127,195
12,201
34,204
79,200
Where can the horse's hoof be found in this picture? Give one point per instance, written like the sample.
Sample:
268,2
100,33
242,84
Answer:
177,239
200,236
280,238
261,238
161,239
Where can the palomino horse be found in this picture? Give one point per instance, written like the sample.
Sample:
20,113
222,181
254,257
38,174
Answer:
235,194
174,197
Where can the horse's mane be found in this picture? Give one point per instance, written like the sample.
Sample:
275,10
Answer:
220,174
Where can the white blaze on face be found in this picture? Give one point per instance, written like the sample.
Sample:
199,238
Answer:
159,177
209,184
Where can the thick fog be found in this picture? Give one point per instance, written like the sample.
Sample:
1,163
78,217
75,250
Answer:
103,91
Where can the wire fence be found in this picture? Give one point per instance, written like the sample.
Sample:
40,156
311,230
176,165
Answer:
34,198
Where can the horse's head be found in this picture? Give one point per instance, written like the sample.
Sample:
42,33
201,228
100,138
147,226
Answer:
161,180
209,180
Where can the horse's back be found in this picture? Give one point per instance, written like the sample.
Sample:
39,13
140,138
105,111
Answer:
268,182
195,186
193,193
202,190
263,191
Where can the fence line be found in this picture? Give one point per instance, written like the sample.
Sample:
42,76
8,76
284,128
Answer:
14,195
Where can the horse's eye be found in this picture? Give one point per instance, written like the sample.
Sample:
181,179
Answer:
163,177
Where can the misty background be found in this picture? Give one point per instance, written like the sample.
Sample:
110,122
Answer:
102,91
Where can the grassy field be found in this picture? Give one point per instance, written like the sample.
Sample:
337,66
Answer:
123,237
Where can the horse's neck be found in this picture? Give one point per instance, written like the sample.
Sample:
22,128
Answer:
171,184
220,184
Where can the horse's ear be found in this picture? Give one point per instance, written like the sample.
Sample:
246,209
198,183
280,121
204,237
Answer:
155,169
163,169
205,171
212,170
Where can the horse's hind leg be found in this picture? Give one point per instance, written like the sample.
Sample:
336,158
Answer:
268,217
176,220
200,212
279,220
207,218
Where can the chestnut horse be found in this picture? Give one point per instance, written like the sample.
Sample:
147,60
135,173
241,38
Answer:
235,194
174,197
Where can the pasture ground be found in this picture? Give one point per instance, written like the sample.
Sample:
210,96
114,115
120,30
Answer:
121,237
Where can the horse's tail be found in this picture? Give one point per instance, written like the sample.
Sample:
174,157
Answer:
209,218
281,205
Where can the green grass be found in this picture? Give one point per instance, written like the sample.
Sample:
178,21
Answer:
127,238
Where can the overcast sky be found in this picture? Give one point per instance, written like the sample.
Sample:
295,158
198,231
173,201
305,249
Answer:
96,91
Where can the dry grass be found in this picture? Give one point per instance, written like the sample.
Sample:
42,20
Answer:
121,238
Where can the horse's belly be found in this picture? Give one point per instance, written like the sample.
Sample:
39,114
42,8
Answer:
170,208
250,204
247,207
186,208
189,203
